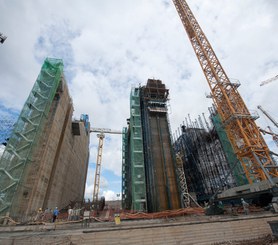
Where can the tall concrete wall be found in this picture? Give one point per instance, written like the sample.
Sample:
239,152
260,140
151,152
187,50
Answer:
161,179
58,169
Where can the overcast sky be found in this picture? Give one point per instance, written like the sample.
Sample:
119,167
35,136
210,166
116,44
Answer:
109,46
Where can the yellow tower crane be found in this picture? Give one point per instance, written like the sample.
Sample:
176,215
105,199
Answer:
101,135
242,131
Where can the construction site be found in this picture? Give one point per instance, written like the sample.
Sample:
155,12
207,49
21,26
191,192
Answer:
213,180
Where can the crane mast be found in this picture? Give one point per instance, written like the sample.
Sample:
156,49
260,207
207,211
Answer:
98,167
101,137
245,136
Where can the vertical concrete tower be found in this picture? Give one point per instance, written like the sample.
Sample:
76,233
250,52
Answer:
45,162
149,166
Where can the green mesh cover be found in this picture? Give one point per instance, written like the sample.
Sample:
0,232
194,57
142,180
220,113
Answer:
27,130
234,163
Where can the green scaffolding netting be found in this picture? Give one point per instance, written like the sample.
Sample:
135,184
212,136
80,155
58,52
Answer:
234,163
27,131
137,154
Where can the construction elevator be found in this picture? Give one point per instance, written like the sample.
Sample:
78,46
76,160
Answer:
149,176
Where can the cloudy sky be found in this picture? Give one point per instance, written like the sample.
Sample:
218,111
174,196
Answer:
109,46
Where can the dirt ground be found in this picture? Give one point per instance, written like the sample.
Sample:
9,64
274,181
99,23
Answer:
266,240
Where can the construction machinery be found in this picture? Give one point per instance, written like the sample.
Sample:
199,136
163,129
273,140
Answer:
269,80
247,141
101,136
270,132
268,116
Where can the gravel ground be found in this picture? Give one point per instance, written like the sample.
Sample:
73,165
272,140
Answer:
266,240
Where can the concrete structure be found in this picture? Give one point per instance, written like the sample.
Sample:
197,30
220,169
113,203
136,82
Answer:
46,159
149,166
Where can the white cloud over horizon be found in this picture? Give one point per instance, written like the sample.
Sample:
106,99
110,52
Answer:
109,46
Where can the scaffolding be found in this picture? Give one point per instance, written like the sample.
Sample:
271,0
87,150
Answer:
204,160
160,165
149,180
138,183
126,174
231,157
7,122
26,132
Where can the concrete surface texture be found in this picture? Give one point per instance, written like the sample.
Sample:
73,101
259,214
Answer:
201,230
57,174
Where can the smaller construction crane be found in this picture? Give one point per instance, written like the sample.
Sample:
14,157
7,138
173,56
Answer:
270,132
267,115
101,136
269,80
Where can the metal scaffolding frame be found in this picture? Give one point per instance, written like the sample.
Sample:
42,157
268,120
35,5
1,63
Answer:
138,182
204,160
26,132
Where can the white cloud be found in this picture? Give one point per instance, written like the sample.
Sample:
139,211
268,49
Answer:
111,195
109,46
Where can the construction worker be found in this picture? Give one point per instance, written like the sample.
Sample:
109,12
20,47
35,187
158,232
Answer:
86,218
70,213
245,206
55,214
39,214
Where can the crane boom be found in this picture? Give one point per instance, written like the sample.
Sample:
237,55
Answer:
245,136
105,130
269,80
268,116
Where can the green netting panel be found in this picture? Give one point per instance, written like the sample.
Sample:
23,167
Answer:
27,130
238,171
125,170
137,154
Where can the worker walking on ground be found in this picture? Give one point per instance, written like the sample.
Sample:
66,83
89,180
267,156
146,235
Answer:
70,213
245,206
55,214
86,218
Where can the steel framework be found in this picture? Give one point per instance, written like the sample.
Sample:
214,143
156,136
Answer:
26,132
242,131
138,188
98,167
185,198
6,127
101,137
269,80
268,116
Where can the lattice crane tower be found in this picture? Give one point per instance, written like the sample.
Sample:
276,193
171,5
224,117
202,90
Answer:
245,136
101,135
